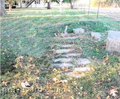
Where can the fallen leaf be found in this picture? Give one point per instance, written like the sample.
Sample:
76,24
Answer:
113,91
55,79
106,59
85,93
108,97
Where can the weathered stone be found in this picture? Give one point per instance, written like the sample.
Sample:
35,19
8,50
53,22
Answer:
82,61
68,37
81,69
96,35
113,41
72,54
78,31
60,65
66,46
63,60
60,51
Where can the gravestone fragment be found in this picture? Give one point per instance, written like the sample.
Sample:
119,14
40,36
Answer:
72,55
60,65
81,69
63,60
78,31
113,41
63,51
82,61
66,45
96,35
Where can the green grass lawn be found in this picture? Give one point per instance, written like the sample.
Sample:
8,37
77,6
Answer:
31,32
24,31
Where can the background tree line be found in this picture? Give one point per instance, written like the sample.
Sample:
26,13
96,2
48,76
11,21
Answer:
104,3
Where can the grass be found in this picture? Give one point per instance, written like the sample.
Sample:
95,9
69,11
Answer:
24,28
30,32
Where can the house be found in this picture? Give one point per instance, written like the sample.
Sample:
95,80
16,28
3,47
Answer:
27,4
31,3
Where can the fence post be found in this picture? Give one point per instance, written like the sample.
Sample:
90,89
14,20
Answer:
99,3
89,7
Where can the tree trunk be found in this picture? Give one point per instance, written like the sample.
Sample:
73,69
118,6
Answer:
10,6
49,4
20,3
2,8
71,4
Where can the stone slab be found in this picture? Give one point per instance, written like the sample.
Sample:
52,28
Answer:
73,55
63,60
96,35
78,31
60,65
82,61
60,51
113,41
66,46
81,69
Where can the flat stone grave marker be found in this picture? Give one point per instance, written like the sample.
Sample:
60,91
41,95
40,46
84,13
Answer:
63,51
66,45
113,41
72,54
81,69
63,60
60,65
82,61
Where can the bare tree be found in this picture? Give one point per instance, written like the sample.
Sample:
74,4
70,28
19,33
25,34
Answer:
99,3
2,7
10,4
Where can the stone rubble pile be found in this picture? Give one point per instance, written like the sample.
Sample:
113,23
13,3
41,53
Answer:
67,57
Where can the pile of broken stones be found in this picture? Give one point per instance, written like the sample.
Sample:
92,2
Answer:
67,57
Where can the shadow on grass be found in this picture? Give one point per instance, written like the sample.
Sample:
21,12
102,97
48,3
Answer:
7,61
